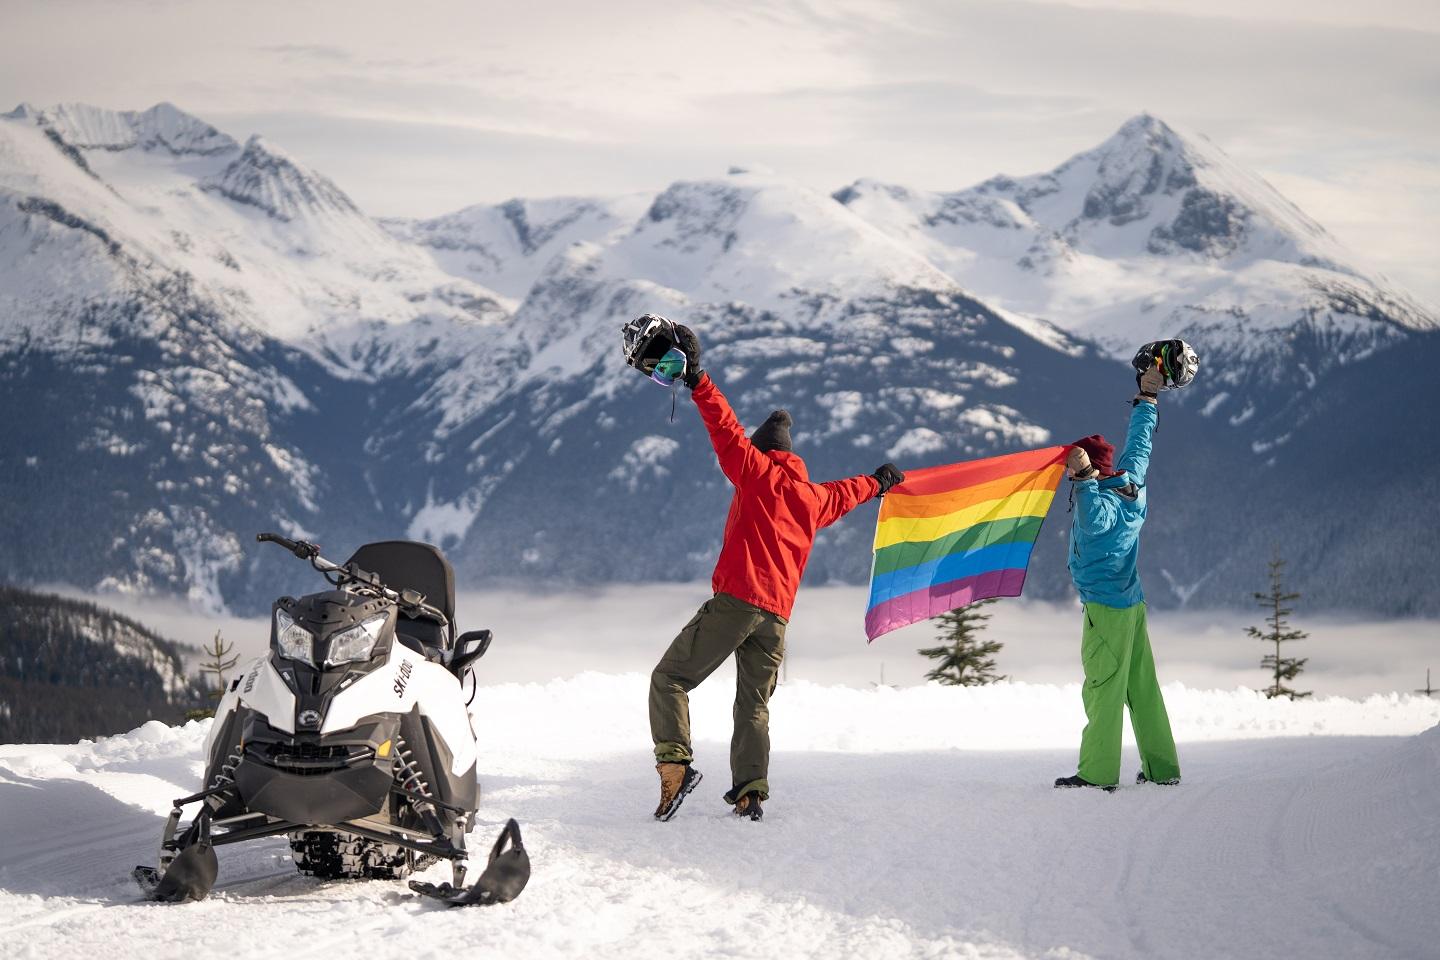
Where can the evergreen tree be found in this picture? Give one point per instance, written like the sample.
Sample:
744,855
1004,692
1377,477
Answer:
1278,631
964,659
1429,691
218,664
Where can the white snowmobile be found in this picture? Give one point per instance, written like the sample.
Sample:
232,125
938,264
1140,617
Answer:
351,737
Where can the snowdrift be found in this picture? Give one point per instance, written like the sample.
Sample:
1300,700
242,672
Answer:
915,822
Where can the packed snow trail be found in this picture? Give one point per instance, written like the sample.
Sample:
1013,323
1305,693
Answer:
904,823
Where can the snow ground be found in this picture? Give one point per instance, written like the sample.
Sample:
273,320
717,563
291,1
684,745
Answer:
904,823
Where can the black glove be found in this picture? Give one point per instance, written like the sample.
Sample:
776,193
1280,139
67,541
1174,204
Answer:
689,345
887,475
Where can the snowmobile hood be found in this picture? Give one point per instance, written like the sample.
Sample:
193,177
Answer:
332,608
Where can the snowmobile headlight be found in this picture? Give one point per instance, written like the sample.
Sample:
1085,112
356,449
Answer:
357,643
292,640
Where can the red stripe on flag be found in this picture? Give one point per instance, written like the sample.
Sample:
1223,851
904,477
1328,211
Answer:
931,480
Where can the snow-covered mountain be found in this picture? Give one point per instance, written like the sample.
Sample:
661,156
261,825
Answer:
179,319
203,339
505,247
1157,234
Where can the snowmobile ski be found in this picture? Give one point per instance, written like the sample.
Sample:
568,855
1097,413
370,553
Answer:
189,877
505,875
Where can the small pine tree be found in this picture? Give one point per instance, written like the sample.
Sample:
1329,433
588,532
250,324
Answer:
964,659
1278,631
218,664
1429,691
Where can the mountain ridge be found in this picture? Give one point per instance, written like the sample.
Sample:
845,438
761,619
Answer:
458,379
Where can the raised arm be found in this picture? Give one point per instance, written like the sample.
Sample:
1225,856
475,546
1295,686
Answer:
842,496
1135,459
740,461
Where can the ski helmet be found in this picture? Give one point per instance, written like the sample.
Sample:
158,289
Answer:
1178,361
651,346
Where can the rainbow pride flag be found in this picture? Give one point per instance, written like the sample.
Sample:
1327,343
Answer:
949,536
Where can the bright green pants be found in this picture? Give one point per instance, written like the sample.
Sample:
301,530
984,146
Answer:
1120,672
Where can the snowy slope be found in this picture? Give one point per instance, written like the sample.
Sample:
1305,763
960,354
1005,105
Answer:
506,246
801,304
1157,233
276,246
1152,233
188,309
915,823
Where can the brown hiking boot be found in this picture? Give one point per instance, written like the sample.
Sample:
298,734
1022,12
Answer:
676,781
748,807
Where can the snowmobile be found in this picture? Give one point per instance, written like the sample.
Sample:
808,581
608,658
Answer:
351,737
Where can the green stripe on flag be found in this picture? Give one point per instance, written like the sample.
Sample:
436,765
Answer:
901,555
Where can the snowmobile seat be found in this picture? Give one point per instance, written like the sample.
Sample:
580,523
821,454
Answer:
412,565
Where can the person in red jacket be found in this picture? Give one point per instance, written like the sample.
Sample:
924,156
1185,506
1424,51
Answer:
769,532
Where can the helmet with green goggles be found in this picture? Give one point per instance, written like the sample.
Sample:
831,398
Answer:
650,346
1177,360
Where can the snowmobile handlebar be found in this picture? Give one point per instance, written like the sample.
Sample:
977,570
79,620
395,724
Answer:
413,603
300,548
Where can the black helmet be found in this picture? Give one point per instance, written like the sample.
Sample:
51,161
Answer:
647,338
1178,361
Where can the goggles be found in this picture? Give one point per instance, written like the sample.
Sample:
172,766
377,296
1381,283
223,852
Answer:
668,368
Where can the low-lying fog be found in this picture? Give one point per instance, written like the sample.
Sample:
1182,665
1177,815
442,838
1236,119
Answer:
539,636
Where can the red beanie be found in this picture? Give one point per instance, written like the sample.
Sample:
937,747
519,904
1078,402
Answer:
1101,452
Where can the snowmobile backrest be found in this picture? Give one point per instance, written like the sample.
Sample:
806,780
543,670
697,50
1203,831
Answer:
412,565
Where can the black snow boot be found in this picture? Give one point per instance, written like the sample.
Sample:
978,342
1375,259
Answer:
1141,778
1079,781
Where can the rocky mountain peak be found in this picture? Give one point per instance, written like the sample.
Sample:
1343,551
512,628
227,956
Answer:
1151,189
163,127
264,176
755,236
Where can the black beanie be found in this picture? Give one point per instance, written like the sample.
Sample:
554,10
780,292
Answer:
774,433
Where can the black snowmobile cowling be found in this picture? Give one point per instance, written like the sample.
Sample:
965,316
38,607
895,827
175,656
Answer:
1178,361
351,737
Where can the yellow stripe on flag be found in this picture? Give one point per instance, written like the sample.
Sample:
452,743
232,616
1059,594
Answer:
892,530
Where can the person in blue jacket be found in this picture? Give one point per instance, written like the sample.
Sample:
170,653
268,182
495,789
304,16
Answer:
1110,505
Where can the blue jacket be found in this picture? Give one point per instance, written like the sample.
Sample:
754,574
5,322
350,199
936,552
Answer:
1105,533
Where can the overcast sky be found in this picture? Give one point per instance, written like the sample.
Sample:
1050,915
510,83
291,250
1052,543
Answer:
418,108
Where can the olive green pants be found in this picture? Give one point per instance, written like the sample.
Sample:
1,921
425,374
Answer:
722,626
1120,672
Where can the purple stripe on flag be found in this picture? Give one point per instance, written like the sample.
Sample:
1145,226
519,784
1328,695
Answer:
940,598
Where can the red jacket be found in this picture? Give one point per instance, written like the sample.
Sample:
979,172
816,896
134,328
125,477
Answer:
775,512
